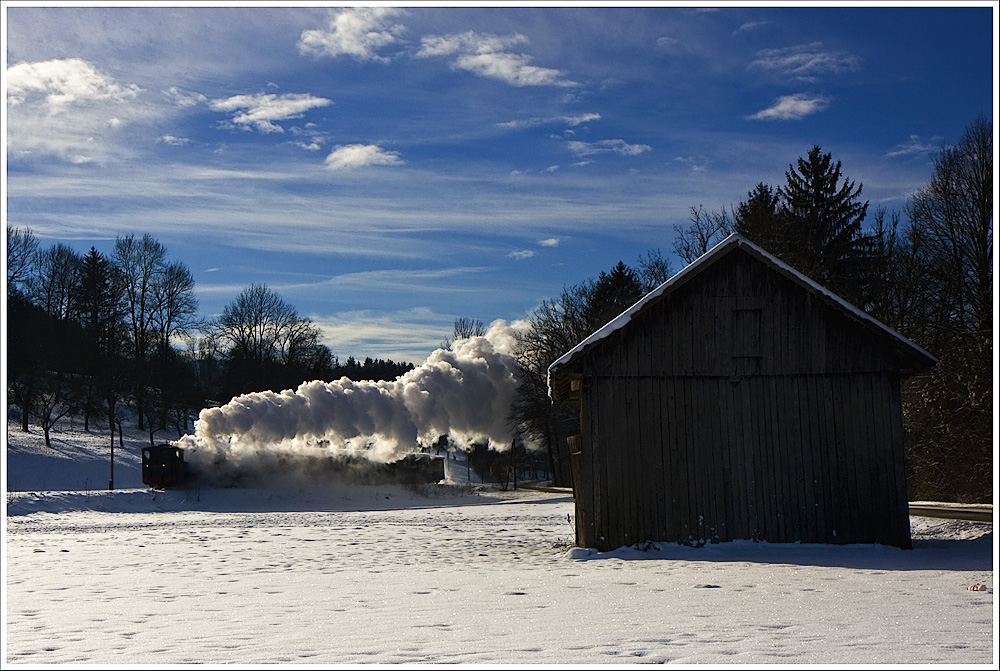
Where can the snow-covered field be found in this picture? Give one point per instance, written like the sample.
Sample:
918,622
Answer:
457,573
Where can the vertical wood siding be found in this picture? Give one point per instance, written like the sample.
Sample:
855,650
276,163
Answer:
740,406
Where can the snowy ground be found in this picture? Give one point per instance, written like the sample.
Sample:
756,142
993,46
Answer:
443,574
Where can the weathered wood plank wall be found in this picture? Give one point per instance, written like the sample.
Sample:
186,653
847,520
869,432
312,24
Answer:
740,407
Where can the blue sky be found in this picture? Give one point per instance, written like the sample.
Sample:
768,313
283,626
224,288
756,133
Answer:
387,170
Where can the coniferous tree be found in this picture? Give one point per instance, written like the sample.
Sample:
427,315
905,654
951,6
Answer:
97,308
758,219
611,294
824,217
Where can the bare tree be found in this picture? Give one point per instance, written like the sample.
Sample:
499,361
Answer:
54,398
21,249
140,263
254,323
174,305
956,211
464,327
264,333
901,288
705,231
949,411
653,269
55,280
467,328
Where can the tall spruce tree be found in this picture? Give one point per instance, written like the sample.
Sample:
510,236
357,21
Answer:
98,309
824,218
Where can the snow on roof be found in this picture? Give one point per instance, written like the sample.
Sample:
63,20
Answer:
733,241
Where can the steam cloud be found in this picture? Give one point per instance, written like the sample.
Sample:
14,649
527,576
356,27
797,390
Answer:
464,392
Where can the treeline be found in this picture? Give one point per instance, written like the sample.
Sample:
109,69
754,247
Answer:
94,336
928,276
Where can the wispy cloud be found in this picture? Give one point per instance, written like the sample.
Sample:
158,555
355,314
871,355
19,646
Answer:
914,145
261,110
750,26
792,107
182,98
521,254
549,242
358,32
401,335
695,163
569,120
348,157
173,141
806,61
622,147
666,43
488,56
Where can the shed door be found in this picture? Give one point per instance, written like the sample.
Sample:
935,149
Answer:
746,341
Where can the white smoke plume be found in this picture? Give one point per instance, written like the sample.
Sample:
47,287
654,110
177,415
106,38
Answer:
464,392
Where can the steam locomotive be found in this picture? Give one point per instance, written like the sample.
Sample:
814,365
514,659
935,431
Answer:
163,466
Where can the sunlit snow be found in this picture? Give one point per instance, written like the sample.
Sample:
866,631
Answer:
451,573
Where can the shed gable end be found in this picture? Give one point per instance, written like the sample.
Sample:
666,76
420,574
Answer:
739,317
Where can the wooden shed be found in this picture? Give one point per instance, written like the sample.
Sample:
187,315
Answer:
739,400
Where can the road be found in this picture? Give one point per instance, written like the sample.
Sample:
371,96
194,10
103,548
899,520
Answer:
954,511
951,511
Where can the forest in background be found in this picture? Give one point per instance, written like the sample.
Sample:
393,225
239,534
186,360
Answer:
94,335
926,272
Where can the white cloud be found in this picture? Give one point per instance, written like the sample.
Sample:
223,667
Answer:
261,110
750,26
569,120
607,146
549,242
693,162
580,118
173,141
793,107
467,42
667,43
69,109
348,157
521,254
183,98
914,145
806,61
358,32
486,55
63,83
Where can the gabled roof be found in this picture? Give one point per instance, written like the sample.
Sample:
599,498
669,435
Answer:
736,241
